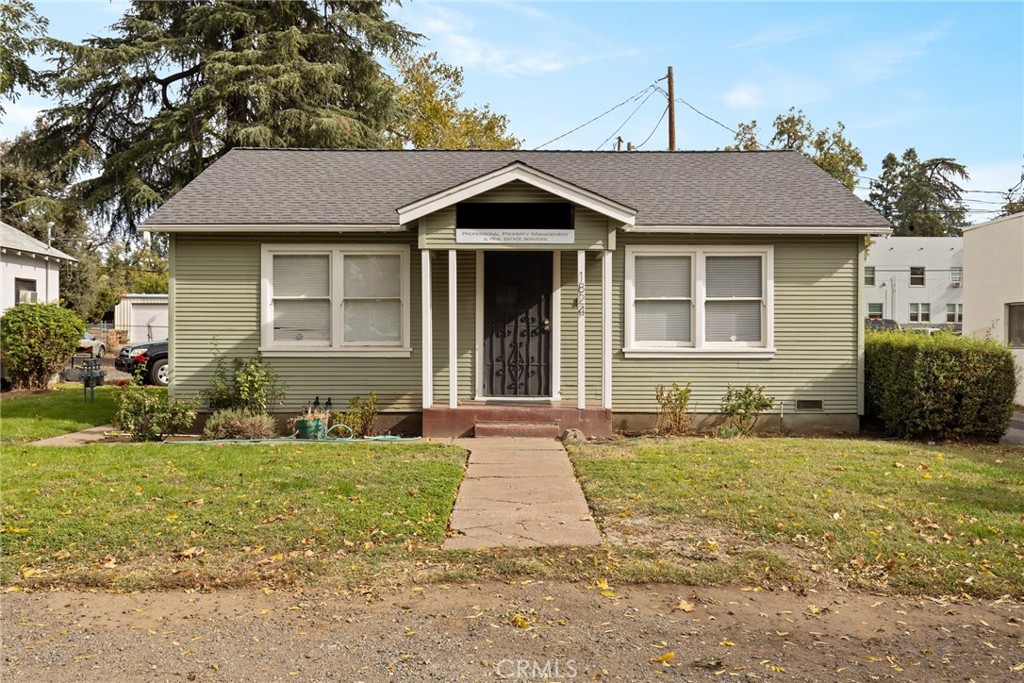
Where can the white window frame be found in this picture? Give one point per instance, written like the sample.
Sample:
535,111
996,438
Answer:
924,276
699,347
881,310
869,271
336,347
919,311
957,313
956,276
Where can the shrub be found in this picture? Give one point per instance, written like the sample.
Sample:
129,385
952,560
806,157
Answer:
149,414
939,386
359,416
253,387
744,405
231,423
36,341
674,403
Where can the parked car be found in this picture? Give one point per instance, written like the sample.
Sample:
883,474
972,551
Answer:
881,324
92,345
152,356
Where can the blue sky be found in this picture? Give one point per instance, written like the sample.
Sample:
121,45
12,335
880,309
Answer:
946,78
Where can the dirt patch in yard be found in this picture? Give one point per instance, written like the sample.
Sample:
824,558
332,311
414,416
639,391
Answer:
508,631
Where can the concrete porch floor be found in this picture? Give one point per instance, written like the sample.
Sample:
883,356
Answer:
519,492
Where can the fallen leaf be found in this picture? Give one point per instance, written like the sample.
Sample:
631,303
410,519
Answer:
685,606
663,659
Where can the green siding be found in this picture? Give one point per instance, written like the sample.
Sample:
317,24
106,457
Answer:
216,289
816,332
437,231
466,309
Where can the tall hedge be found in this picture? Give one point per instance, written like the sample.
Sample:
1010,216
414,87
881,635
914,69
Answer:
939,386
36,341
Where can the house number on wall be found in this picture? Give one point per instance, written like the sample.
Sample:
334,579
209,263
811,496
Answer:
581,296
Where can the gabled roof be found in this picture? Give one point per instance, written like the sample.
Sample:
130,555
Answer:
14,240
365,189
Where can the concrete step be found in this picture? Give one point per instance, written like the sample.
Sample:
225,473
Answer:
539,429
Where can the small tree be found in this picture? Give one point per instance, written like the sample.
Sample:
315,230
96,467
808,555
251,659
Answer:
36,341
743,405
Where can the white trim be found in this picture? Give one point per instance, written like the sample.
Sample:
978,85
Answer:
581,329
284,227
324,352
336,254
526,174
760,230
427,331
699,347
556,325
453,330
606,330
479,345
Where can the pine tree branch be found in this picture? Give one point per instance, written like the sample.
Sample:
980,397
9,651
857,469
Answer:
166,82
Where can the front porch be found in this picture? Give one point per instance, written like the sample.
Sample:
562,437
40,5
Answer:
542,419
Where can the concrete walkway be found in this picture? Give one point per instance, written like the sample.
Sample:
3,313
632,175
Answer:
90,435
522,493
1015,434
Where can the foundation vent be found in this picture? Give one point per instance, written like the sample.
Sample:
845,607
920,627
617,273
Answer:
810,404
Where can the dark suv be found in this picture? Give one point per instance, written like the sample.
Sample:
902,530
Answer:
152,356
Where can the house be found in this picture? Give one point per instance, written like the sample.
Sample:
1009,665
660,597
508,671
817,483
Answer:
490,291
29,269
994,269
142,317
916,281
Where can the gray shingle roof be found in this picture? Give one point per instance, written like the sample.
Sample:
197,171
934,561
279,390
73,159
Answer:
366,187
15,240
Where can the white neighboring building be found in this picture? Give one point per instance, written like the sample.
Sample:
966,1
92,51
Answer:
994,270
143,316
29,269
916,281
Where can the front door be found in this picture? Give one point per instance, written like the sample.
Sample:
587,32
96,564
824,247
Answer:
517,324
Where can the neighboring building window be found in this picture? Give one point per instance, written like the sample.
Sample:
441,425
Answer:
917,276
920,313
1015,325
954,313
344,298
24,291
869,276
956,276
875,311
699,298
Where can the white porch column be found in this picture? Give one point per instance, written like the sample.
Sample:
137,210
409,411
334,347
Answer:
453,331
581,329
427,317
606,330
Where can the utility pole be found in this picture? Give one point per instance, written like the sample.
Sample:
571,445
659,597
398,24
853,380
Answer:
671,112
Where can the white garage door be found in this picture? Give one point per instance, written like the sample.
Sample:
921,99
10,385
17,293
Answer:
148,322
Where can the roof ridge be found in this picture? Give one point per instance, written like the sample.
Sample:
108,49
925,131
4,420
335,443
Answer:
513,151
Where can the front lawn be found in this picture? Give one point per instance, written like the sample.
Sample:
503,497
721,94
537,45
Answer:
938,520
156,514
61,410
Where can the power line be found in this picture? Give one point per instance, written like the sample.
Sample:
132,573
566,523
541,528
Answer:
656,126
962,189
642,103
632,98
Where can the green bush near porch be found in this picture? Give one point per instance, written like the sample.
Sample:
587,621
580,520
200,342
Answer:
939,386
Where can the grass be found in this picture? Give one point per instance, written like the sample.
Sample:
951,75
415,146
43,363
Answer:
61,410
141,515
920,519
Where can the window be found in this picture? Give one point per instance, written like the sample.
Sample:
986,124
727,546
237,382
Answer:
920,313
352,299
875,311
698,300
954,313
1015,325
956,276
869,276
24,291
917,276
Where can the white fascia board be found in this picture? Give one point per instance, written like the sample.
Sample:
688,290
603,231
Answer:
295,227
758,230
531,176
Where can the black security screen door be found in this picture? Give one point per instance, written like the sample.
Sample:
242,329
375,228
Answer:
517,324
